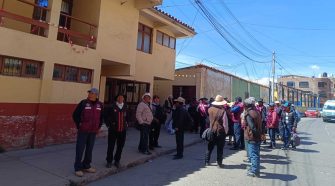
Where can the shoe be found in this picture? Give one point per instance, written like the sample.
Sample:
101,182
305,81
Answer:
207,164
270,147
79,173
242,148
177,157
158,146
283,148
90,170
220,165
246,161
117,164
234,148
264,142
151,148
251,174
109,165
147,153
230,143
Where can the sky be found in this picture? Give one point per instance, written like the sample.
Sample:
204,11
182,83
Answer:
300,32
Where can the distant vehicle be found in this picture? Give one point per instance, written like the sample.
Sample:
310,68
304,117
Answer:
328,112
312,113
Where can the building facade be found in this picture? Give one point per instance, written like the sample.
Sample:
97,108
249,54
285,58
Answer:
322,87
53,51
203,81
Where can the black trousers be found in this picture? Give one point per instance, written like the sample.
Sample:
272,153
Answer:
144,138
219,142
202,123
85,142
115,137
180,142
155,130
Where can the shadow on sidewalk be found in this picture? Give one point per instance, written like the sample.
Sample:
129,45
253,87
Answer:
274,176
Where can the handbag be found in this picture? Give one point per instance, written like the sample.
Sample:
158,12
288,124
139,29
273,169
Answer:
295,139
208,135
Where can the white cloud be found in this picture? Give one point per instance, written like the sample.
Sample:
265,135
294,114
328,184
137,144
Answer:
263,81
314,67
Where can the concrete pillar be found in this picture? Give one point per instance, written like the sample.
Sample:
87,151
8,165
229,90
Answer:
53,17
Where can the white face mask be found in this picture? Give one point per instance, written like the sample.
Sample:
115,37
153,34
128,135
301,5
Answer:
120,105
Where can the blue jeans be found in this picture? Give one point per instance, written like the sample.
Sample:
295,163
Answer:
85,142
272,134
254,156
286,131
239,136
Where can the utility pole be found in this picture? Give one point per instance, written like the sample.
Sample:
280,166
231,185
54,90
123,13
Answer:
273,76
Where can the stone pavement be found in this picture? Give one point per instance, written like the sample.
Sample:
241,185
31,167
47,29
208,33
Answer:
53,165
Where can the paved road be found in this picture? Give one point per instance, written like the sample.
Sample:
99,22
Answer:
312,163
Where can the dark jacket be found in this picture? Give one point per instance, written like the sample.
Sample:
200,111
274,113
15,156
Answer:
158,113
292,119
253,129
88,116
181,119
116,119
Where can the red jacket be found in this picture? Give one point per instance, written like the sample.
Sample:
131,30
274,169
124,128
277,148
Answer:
272,119
88,116
236,111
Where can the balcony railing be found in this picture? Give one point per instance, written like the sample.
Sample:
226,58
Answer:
85,37
38,24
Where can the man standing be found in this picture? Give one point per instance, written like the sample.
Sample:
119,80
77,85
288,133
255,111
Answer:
288,124
116,121
180,118
262,110
159,118
88,117
144,117
236,111
252,134
272,124
202,113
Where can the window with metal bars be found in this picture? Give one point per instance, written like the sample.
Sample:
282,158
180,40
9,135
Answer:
71,74
12,66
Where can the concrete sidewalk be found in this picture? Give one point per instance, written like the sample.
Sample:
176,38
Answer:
53,165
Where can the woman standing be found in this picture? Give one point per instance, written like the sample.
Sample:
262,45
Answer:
218,119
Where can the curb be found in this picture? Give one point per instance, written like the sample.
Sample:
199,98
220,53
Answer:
108,172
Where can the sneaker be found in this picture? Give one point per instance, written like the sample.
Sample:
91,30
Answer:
90,170
79,173
251,174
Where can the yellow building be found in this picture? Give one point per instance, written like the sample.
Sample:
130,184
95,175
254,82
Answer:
53,51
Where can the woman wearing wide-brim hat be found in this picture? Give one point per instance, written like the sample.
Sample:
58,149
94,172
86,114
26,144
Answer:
219,126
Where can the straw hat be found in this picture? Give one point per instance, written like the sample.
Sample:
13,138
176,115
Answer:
219,101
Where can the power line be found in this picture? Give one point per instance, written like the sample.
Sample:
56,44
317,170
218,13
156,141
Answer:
223,32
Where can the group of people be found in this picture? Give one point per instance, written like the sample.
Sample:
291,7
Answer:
249,121
90,114
246,122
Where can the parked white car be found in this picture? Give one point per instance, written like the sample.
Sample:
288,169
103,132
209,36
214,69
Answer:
328,111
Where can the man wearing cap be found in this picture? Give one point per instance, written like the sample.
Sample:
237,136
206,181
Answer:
288,124
272,121
144,117
262,110
88,117
236,111
252,134
219,125
180,119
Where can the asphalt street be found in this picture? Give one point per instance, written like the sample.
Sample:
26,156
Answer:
312,163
